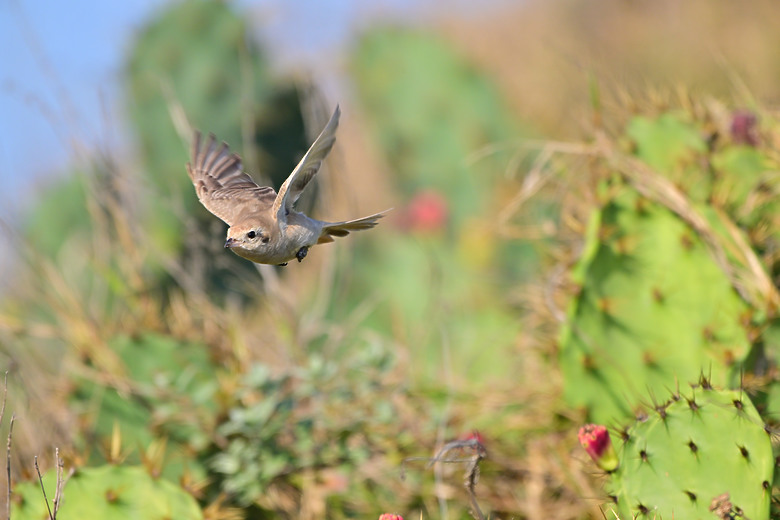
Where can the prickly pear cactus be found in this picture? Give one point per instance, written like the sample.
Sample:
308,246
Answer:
107,492
695,453
675,274
191,54
429,109
652,308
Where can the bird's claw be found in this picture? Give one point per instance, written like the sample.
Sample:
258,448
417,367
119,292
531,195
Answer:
301,254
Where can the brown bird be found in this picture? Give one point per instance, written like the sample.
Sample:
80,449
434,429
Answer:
264,226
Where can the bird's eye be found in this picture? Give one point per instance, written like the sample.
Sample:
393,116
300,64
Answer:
251,234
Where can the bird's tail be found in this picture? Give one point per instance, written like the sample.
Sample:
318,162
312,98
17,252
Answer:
342,229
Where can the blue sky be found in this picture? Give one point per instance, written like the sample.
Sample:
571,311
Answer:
61,62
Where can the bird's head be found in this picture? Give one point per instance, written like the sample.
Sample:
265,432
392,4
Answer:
251,238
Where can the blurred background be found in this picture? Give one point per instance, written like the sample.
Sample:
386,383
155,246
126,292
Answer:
122,312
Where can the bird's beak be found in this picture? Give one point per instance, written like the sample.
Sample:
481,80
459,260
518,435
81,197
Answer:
230,242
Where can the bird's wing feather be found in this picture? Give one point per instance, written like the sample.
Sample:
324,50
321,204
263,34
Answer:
222,187
307,168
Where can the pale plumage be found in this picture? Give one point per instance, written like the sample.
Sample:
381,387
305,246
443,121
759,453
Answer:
264,226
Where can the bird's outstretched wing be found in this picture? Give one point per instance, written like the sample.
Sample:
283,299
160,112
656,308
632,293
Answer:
222,187
307,168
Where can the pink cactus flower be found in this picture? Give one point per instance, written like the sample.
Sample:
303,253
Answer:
596,441
427,212
390,516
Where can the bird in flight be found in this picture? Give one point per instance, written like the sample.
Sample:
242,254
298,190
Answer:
264,226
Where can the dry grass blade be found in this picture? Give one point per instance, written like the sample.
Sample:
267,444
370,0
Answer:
43,489
8,466
471,475
756,273
539,174
5,397
60,481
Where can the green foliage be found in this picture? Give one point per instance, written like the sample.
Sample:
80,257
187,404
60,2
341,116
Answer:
315,419
61,217
443,306
107,492
690,450
652,308
163,388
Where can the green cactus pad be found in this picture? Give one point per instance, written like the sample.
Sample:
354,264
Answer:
108,493
687,452
653,309
672,145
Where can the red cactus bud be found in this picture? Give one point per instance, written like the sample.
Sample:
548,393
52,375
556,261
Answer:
390,516
596,441
473,435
